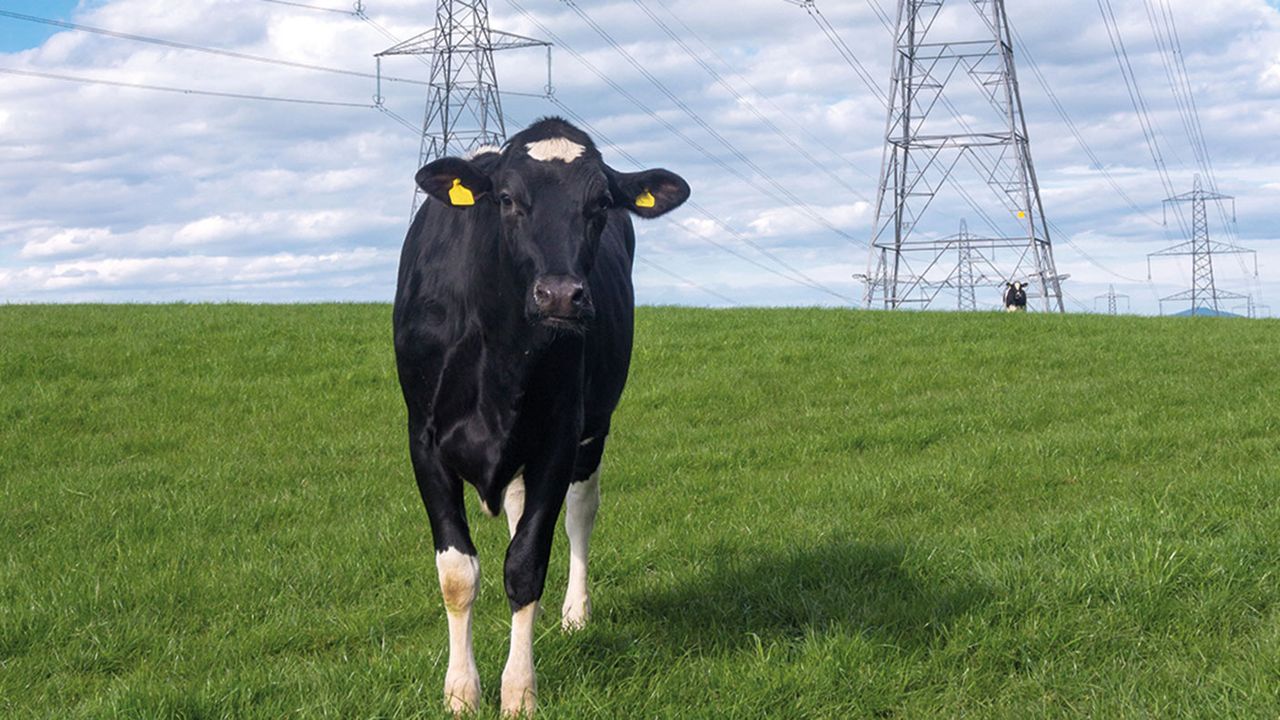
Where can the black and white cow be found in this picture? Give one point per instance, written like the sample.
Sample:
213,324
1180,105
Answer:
513,324
1015,297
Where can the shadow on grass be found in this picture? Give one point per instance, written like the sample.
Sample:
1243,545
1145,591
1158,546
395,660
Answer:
742,597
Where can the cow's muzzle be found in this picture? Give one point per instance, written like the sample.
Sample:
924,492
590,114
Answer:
561,298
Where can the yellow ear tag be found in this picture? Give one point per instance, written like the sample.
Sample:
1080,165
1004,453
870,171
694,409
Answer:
646,200
460,196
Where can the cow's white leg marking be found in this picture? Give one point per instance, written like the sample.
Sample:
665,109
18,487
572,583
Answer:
519,686
581,504
459,584
513,503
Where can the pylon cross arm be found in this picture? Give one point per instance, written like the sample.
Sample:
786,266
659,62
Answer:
426,44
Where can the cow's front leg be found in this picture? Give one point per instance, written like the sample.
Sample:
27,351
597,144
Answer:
458,570
459,584
525,574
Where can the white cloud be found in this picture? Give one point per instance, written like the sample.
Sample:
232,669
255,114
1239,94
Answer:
786,221
177,275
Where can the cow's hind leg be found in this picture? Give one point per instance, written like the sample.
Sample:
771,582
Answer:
581,504
458,570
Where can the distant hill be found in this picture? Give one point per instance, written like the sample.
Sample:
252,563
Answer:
1206,312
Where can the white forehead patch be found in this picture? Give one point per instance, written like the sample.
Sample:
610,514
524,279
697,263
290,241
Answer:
484,150
555,149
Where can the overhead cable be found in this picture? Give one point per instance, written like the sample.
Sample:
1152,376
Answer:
310,7
799,127
185,91
799,204
202,49
669,273
746,103
1149,131
1075,130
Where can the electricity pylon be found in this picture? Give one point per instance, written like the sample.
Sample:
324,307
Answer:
1112,298
1204,293
1253,310
972,270
926,139
966,289
464,106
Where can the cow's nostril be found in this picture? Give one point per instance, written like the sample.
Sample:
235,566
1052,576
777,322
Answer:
578,293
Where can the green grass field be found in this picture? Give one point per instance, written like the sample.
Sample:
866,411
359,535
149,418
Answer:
208,511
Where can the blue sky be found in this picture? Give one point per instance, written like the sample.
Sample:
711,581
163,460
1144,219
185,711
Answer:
15,36
115,194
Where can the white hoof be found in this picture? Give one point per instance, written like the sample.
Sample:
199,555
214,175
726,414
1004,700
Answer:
462,691
519,694
575,613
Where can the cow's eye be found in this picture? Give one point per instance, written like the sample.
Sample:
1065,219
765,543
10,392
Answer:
600,204
506,200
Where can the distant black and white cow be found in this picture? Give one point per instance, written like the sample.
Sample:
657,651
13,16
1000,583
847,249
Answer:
1015,297
513,326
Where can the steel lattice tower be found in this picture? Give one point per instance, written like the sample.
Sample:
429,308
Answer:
1253,310
1204,294
966,289
1113,301
464,106
923,150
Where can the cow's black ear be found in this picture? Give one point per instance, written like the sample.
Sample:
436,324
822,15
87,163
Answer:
454,181
648,193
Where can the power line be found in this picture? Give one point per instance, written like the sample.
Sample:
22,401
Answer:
1140,106
185,91
797,202
645,261
310,7
885,20
842,47
200,48
747,103
400,119
799,127
1075,130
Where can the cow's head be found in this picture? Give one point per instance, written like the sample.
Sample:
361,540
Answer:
552,194
1015,294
